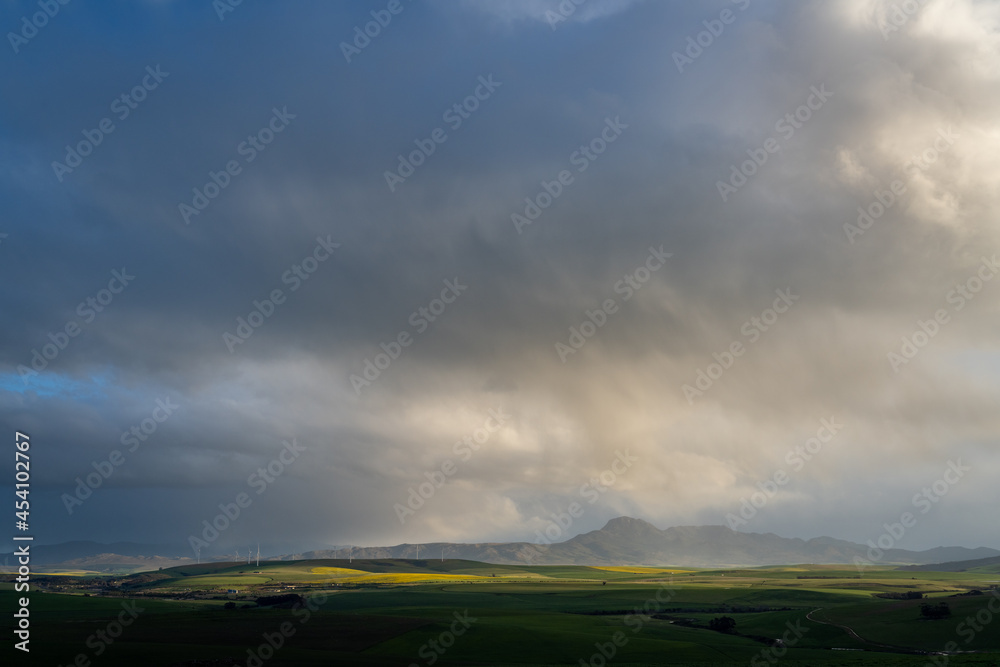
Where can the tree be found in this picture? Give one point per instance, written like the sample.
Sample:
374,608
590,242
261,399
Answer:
935,611
722,624
229,605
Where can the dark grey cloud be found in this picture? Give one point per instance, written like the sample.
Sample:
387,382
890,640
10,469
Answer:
494,346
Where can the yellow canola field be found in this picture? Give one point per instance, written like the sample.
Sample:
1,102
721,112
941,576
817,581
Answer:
639,570
409,577
338,571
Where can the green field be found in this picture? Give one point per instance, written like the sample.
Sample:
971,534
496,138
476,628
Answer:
388,612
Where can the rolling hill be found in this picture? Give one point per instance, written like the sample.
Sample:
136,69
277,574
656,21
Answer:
980,565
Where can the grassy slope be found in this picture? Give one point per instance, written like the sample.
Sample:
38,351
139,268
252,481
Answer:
536,619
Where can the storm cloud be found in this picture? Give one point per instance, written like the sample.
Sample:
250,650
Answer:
689,232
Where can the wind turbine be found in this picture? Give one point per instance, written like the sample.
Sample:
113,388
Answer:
248,555
258,554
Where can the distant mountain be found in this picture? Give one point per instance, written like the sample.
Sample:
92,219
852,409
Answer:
622,541
67,551
132,556
628,541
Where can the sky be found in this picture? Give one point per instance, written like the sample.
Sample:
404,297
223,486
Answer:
390,272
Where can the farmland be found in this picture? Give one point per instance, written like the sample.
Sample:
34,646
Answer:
455,612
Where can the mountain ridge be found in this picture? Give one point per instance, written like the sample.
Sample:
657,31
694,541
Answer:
621,541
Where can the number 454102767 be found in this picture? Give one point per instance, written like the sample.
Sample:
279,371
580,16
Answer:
22,476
